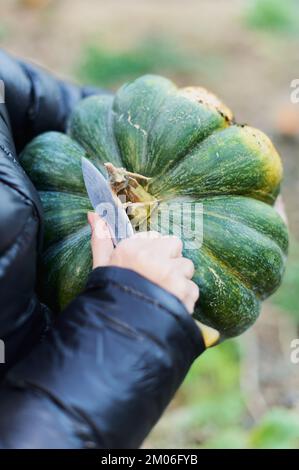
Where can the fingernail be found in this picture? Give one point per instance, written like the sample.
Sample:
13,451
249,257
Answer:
90,218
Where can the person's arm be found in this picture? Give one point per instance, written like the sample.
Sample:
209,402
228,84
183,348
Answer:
36,101
104,374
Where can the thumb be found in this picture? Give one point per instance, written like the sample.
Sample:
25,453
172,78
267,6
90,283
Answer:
101,242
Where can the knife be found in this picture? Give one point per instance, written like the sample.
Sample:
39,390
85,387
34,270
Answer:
104,202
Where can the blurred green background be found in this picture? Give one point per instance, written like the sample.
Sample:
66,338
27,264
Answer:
244,393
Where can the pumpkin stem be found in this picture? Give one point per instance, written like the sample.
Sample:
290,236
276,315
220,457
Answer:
134,197
138,176
140,204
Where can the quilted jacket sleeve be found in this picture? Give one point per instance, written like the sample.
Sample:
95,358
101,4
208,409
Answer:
106,371
103,374
34,102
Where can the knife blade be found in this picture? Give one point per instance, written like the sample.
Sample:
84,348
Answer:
104,203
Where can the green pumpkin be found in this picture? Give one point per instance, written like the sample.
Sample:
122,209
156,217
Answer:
187,144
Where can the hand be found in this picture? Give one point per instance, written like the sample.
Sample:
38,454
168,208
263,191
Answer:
156,257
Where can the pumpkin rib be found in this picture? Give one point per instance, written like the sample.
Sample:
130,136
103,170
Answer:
148,80
219,216
216,294
206,98
240,277
63,214
256,195
72,236
216,158
151,127
62,191
192,147
208,251
79,195
193,144
253,215
110,122
65,278
54,152
88,137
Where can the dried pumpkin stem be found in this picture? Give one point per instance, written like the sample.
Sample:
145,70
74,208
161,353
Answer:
128,184
140,204
138,176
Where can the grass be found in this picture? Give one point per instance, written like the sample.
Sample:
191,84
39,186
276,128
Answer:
107,68
278,429
272,15
210,403
210,411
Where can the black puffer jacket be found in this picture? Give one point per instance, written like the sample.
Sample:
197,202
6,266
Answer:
102,374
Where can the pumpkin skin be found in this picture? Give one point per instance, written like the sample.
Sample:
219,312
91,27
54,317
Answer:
186,141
